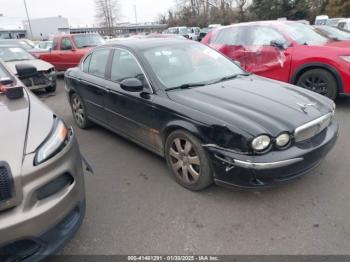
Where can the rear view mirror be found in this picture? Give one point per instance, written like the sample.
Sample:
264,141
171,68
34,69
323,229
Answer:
25,70
132,85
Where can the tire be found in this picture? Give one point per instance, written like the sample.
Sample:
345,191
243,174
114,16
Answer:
320,81
188,161
78,111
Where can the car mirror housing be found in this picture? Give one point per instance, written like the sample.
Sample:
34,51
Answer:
132,85
279,44
25,70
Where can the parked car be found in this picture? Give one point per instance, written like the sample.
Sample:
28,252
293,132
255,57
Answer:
344,24
45,75
67,50
203,33
194,33
210,119
181,30
24,43
44,45
321,19
334,21
332,33
287,51
42,195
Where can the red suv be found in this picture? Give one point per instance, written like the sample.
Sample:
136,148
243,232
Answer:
287,51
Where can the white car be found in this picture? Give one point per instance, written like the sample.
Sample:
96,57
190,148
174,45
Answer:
344,24
15,57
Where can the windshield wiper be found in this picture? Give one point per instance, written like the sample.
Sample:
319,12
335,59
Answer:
231,77
186,86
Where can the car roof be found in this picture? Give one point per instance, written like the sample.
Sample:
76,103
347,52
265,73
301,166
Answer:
147,43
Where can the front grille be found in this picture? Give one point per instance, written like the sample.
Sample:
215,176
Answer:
6,183
312,128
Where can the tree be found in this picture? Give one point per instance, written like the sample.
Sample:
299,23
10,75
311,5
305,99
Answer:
338,8
107,13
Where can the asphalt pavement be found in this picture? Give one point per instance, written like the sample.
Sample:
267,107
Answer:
135,207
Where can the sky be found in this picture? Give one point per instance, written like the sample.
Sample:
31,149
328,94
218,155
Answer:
81,12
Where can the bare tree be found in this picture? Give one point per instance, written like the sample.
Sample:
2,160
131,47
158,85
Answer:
107,12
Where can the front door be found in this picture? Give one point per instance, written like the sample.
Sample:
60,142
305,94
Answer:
130,113
265,59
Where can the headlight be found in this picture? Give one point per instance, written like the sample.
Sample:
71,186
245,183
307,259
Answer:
283,140
54,143
260,143
346,58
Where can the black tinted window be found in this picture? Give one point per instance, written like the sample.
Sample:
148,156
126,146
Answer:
125,66
66,44
98,62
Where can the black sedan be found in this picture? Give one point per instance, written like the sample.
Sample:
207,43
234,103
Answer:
212,121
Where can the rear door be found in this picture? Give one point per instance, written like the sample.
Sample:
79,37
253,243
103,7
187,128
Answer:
230,42
92,84
263,58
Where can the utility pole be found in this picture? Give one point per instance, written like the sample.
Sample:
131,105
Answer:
30,26
135,11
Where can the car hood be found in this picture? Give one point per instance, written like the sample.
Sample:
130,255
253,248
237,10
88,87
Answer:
255,104
39,64
13,133
31,122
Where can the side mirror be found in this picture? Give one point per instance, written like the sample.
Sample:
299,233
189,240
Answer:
279,44
25,70
6,81
132,85
50,49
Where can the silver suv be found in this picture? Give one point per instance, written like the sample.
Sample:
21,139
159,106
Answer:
42,195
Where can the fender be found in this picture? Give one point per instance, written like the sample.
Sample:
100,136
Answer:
181,124
327,67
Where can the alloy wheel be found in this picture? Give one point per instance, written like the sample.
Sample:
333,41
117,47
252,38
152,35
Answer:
185,161
317,84
78,110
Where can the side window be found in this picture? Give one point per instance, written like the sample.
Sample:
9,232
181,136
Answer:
227,36
98,62
125,66
54,44
86,64
66,44
264,35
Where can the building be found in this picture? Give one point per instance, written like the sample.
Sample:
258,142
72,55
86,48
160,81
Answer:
11,27
120,29
45,28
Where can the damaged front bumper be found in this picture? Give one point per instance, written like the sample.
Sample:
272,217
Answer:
257,171
43,79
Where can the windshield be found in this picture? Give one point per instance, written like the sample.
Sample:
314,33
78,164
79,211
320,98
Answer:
191,63
88,40
304,34
332,32
8,54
